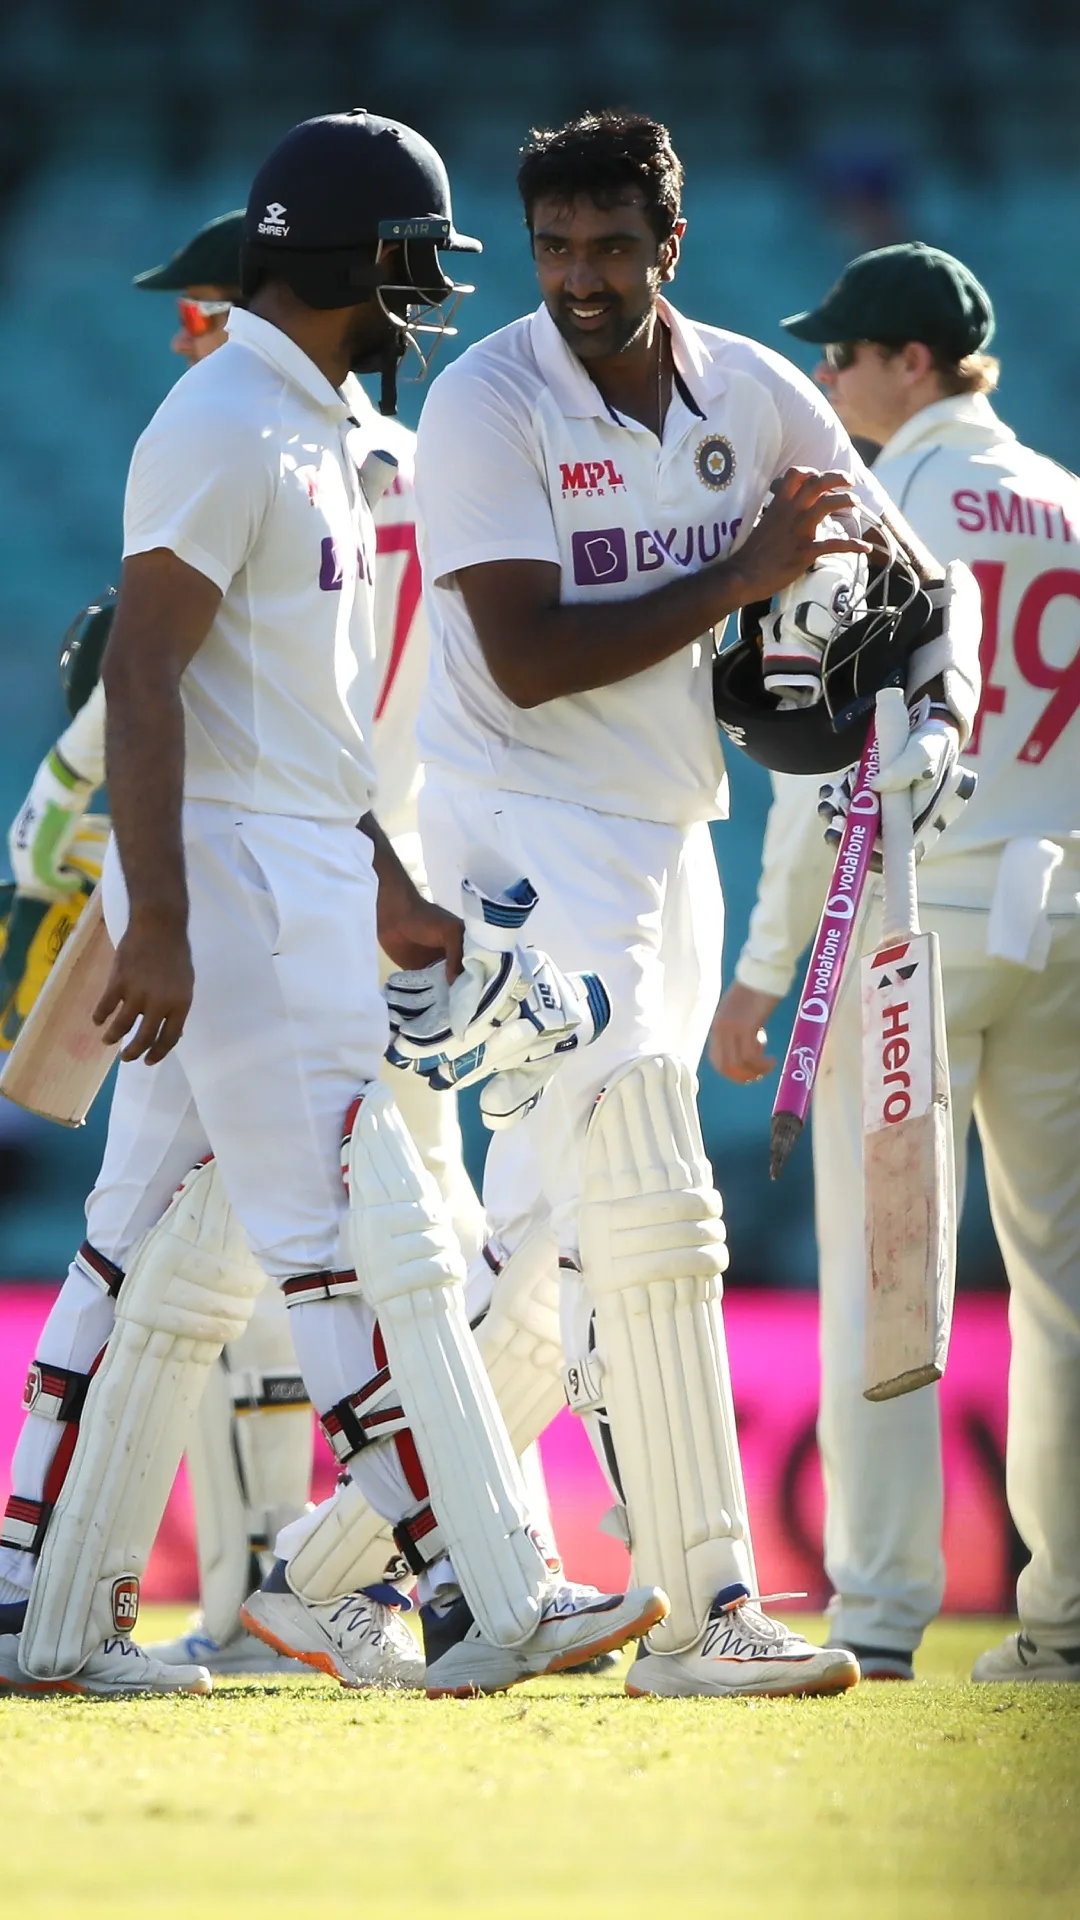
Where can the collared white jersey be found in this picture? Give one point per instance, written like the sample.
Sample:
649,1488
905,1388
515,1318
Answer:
519,458
248,472
974,493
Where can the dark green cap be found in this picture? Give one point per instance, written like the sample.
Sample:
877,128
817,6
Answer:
908,292
210,259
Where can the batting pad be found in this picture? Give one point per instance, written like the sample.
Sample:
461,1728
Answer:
350,1544
412,1274
190,1287
653,1251
248,1459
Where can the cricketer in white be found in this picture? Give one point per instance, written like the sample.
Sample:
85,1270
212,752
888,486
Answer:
1002,890
240,688
590,482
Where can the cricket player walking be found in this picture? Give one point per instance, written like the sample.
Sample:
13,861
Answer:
904,333
591,483
249,1458
244,906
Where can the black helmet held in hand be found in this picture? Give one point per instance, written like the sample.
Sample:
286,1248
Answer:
338,198
869,648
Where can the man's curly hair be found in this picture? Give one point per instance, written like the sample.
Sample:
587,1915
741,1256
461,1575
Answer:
600,155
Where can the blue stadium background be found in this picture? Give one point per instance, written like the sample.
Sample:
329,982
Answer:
809,132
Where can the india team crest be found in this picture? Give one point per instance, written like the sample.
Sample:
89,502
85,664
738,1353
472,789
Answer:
715,462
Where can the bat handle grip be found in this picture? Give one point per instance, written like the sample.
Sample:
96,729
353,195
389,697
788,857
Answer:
901,909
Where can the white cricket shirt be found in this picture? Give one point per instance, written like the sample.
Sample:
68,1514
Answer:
248,472
519,458
972,492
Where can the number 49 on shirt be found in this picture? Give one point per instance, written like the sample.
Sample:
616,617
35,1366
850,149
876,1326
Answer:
1061,683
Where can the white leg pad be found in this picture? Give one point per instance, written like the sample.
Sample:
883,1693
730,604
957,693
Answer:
249,1460
653,1251
412,1275
349,1545
189,1288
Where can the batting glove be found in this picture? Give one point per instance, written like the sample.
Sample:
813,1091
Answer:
929,766
44,828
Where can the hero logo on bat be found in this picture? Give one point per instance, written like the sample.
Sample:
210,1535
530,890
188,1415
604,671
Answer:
714,462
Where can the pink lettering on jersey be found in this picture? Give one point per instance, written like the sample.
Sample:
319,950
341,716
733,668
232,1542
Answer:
1006,518
969,513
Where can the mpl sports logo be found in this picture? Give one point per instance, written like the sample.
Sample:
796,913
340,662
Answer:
272,225
590,479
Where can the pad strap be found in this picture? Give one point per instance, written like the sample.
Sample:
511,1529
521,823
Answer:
304,1288
372,1413
55,1393
24,1524
419,1541
104,1273
267,1392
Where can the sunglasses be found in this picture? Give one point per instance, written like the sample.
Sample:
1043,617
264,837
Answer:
198,316
840,354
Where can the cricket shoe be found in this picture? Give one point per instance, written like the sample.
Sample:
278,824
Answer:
577,1624
1018,1658
118,1667
881,1663
356,1640
743,1651
240,1653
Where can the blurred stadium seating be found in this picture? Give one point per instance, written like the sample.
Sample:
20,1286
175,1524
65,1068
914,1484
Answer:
809,132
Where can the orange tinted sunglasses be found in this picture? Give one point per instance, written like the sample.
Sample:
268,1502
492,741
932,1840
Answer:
197,316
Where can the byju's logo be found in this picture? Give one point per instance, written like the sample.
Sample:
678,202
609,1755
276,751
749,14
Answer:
273,221
600,558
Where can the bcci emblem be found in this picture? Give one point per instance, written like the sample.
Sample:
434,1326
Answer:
715,462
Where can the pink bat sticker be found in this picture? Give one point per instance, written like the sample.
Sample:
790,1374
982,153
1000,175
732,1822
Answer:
835,928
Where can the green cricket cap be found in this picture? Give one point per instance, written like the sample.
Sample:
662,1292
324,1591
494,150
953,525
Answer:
211,258
908,292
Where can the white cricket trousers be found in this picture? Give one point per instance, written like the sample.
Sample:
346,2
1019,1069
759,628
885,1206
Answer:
1014,1056
633,900
286,1025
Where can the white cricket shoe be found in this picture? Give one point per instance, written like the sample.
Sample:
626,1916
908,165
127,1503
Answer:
357,1641
118,1667
241,1653
576,1624
1018,1658
743,1651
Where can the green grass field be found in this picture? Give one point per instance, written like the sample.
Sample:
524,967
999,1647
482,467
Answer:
561,1798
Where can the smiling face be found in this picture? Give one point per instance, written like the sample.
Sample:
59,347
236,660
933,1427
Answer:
601,269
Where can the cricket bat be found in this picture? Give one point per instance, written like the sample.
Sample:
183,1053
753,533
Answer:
909,1180
59,1061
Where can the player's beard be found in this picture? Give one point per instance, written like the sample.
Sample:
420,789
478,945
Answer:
370,336
622,328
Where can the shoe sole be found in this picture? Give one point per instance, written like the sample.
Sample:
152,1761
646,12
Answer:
103,1693
321,1662
572,1657
808,1689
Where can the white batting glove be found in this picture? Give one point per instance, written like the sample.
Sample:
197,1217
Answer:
508,1018
44,828
929,765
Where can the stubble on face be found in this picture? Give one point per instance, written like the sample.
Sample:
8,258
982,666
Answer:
598,271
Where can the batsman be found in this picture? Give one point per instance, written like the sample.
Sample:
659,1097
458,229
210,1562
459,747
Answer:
600,486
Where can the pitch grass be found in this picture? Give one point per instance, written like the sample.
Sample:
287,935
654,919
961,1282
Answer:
563,1799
